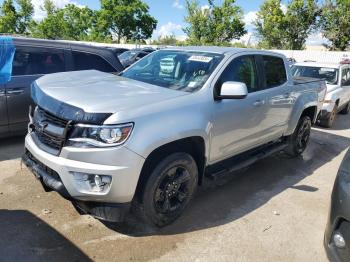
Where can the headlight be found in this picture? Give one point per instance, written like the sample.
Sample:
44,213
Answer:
99,136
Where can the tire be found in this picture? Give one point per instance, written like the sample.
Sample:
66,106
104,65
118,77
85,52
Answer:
169,189
328,122
299,140
346,109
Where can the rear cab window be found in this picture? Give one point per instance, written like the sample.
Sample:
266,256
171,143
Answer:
274,71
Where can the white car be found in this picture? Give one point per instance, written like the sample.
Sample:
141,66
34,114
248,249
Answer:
337,77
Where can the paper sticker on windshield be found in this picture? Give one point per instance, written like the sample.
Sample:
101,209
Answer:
327,69
200,58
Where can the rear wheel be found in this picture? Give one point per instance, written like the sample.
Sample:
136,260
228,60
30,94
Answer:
299,140
346,109
328,122
169,189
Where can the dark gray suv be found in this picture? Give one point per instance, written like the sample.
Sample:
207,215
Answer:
35,58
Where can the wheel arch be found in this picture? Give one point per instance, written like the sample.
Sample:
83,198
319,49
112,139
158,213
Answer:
194,145
309,110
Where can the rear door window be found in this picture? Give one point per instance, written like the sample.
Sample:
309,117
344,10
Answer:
37,61
87,61
274,71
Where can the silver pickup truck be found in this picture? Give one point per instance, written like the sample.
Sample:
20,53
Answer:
149,136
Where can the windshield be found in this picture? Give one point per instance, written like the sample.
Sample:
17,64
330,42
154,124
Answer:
177,70
329,74
126,55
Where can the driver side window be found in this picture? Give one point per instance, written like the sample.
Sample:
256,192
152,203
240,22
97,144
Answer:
241,69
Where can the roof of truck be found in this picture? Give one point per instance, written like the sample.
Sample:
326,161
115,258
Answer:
219,49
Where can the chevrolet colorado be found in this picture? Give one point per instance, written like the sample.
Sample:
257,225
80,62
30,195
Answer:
149,136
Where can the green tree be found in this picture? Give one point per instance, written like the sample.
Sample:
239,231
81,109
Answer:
16,20
286,30
335,23
270,25
52,26
129,19
215,24
8,17
165,40
300,19
70,22
25,16
78,22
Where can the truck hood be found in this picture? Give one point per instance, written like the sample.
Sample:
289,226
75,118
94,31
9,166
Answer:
96,92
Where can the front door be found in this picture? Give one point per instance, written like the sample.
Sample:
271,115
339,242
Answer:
237,123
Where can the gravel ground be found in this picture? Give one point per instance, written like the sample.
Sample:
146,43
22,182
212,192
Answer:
276,210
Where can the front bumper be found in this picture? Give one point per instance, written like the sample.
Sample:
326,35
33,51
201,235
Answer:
339,215
56,173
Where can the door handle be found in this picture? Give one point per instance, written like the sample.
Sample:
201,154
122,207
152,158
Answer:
14,91
259,103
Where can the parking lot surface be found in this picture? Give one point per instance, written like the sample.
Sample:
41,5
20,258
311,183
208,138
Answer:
275,210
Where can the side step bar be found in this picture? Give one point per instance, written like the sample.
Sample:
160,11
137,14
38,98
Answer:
243,160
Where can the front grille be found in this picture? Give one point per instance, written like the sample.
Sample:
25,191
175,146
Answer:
50,141
54,119
49,130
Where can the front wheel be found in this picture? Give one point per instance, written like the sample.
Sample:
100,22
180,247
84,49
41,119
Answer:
299,140
169,189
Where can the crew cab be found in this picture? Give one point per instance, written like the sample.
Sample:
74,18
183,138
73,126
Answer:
149,137
337,77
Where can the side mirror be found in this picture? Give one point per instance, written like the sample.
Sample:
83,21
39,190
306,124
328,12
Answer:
233,90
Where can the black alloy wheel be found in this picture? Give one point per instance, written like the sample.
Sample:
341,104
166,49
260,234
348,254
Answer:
168,189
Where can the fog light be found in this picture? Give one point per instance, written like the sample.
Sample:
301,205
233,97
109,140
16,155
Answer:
92,183
98,181
339,240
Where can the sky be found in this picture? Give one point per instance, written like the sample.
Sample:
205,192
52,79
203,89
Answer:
170,15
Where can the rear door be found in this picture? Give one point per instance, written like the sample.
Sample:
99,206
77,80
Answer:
29,64
278,92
